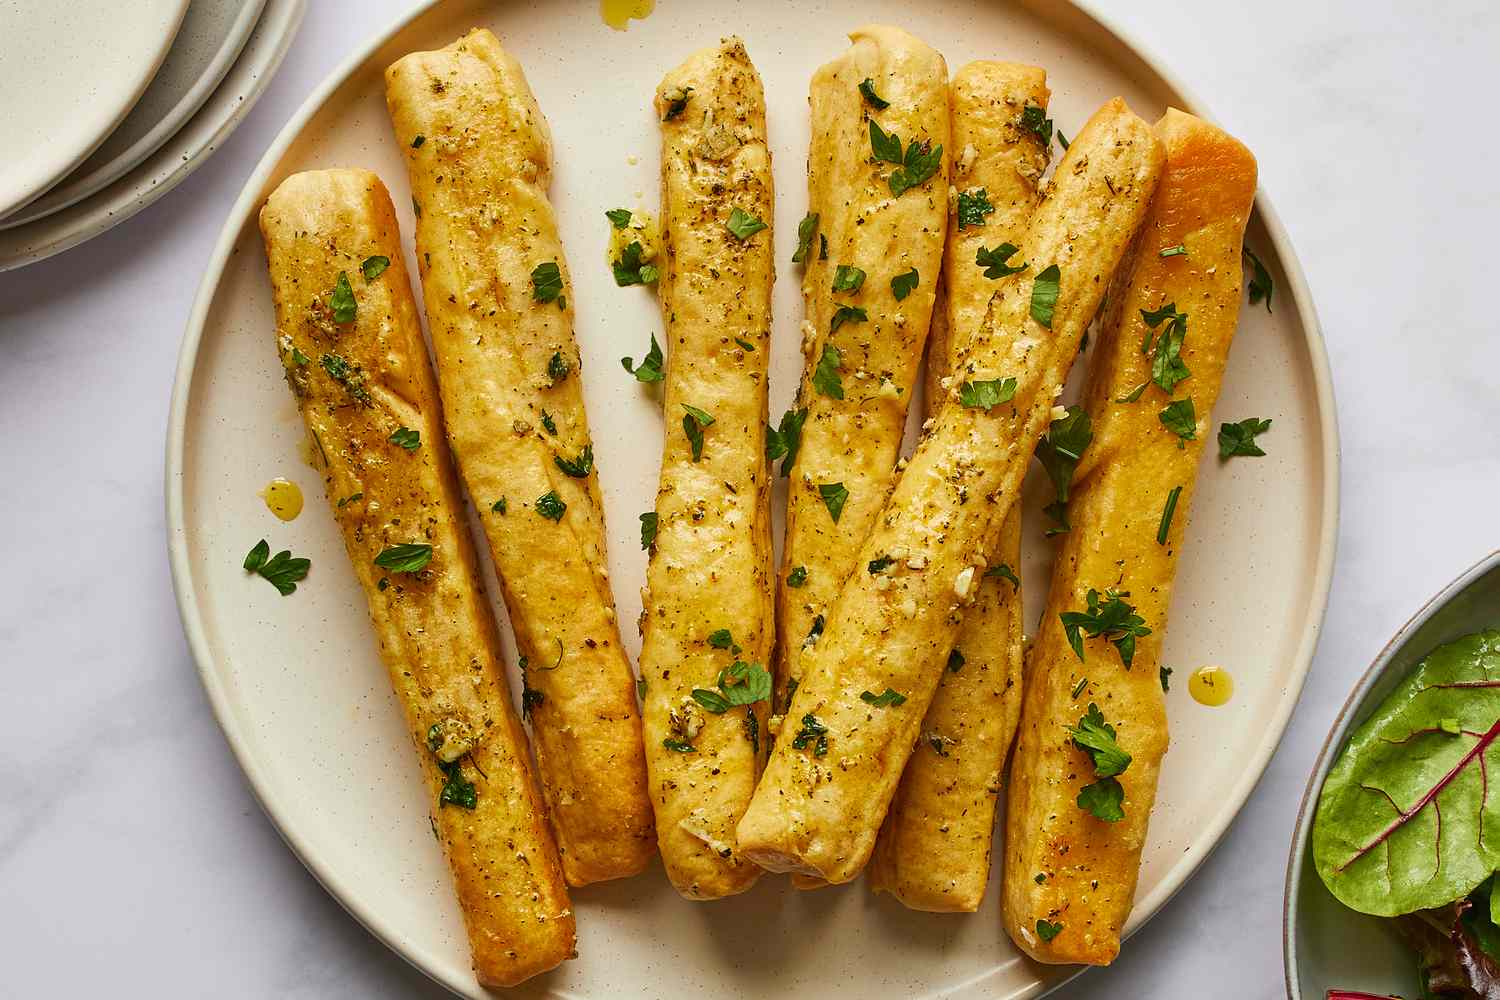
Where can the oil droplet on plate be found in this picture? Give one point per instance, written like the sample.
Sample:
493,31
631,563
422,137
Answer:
1211,686
618,13
283,497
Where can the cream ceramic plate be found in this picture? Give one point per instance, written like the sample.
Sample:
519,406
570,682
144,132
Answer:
296,681
70,73
181,154
210,40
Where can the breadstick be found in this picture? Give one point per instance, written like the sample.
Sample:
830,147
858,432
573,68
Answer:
351,345
706,618
500,309
836,762
863,344
934,849
1071,861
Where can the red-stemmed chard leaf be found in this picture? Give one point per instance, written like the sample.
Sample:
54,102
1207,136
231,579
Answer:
1408,818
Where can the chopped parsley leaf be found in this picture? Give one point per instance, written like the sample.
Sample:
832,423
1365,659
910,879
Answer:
578,468
1180,418
834,497
1103,799
973,206
549,424
848,278
745,345
1178,251
648,529
1034,120
650,368
547,283
797,577
956,661
987,394
813,732
558,367
1166,674
1059,451
417,142
630,269
1167,367
784,441
806,230
825,376
996,262
744,225
350,376
1044,295
374,267
1096,738
551,506
1047,930
677,99
407,438
1114,620
500,506
618,217
867,91
678,746
889,698
1004,572
904,284
280,571
847,314
1239,439
341,301
408,557
1260,285
884,146
880,564
693,423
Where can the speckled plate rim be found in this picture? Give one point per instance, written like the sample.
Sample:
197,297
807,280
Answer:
1079,15
1337,734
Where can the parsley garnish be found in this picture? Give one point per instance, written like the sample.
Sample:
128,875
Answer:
973,206
558,367
298,358
987,394
407,438
740,684
648,529
374,267
679,746
783,442
1165,526
1034,120
797,577
834,496
806,230
1103,799
889,698
1004,572
1133,394
904,284
847,278
549,424
813,732
547,284
500,506
956,661
1180,418
631,270
693,423
939,744
457,790
350,376
1167,367
1083,682
649,369
280,570
1178,251
825,377
618,217
867,90
1062,140
551,506
1044,295
677,99
1059,451
744,344
1096,738
1113,620
996,262
578,468
1166,673
847,314
916,167
880,564
1047,930
722,638
1261,286
408,557
744,225
814,632
417,142
341,301
351,498
822,247
1239,439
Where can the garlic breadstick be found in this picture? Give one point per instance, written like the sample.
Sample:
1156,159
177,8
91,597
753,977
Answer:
934,849
868,290
867,683
351,344
706,618
1076,817
500,310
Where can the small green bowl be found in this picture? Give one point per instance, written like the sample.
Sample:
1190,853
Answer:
1326,944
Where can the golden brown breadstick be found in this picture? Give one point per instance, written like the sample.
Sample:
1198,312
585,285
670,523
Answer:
836,762
864,326
1075,826
706,617
934,849
500,309
351,344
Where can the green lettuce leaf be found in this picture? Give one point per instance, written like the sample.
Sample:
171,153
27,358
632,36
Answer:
1408,818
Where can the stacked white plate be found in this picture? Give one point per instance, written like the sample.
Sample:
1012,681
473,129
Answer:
129,100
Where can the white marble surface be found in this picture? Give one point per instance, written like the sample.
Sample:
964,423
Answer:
133,860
